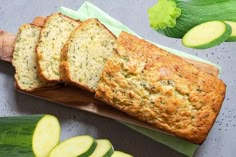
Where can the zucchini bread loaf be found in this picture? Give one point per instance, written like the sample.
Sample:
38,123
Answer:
160,88
85,54
24,58
56,31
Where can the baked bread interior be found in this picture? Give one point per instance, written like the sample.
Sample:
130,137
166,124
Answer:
24,58
54,34
85,54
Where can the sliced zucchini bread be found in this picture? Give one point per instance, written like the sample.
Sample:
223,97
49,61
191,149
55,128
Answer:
85,54
24,58
56,31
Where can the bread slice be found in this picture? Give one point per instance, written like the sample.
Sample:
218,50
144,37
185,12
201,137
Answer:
24,58
85,54
56,31
160,88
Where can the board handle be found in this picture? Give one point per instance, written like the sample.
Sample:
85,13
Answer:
7,42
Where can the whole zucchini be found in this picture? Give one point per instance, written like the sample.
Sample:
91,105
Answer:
174,18
28,136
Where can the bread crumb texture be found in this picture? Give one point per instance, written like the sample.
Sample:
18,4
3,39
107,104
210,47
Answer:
56,31
86,53
160,88
24,58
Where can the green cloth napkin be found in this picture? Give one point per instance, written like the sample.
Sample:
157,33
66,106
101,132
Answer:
88,10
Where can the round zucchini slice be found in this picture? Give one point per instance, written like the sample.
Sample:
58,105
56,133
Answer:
104,149
79,146
207,35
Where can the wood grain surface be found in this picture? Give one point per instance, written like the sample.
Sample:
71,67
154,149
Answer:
77,98
7,41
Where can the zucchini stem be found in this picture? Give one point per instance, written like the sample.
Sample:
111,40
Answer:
163,14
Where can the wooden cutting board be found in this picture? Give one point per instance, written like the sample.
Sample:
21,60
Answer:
75,97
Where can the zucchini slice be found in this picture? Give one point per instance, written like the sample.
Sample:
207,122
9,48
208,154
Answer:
104,149
25,135
233,34
46,135
79,146
207,35
120,154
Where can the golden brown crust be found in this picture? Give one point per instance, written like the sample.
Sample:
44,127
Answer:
39,56
40,71
162,89
64,72
69,17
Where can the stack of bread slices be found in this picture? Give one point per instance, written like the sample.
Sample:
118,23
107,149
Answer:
128,73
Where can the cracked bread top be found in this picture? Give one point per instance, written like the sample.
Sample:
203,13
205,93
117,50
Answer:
160,88
54,34
85,54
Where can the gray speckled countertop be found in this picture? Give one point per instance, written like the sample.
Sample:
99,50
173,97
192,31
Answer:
221,141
